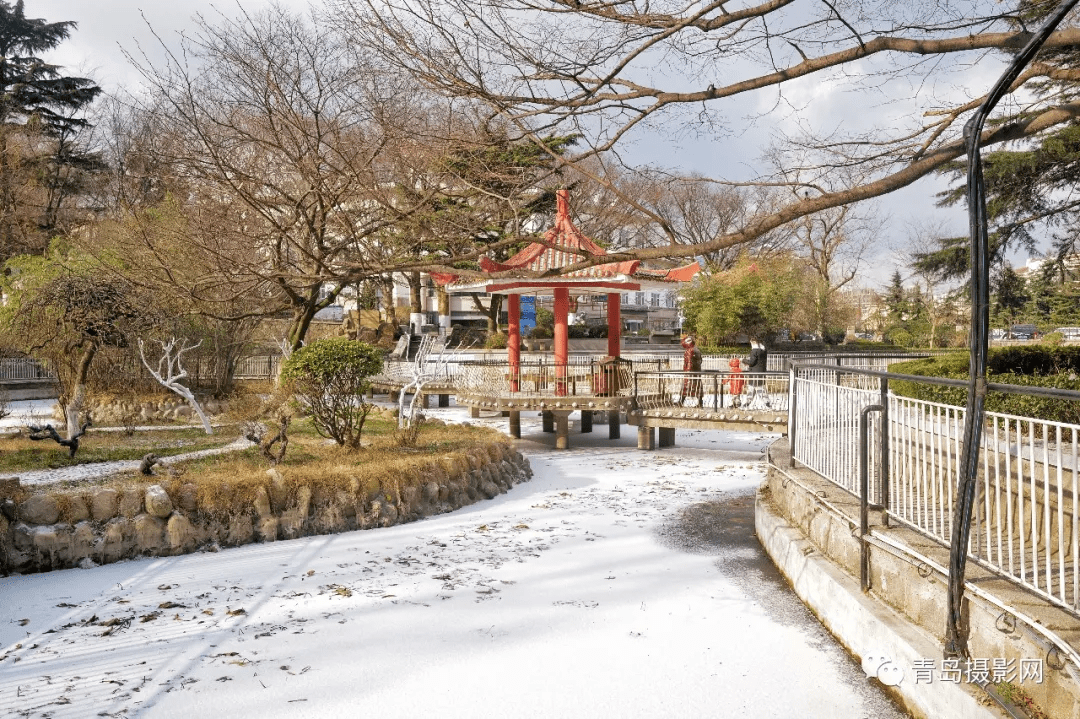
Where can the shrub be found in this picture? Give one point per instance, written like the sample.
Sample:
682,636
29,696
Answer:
329,378
540,333
1054,339
1024,366
496,341
901,337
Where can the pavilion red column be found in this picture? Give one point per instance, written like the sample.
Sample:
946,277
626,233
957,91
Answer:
562,343
614,323
513,343
614,332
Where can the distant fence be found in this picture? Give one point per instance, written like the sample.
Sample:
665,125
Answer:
23,369
257,367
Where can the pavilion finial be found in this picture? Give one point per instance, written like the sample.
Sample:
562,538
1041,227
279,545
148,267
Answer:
562,204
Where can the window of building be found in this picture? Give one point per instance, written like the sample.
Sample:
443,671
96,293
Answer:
654,299
639,298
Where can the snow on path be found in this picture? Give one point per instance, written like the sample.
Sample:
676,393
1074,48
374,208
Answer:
558,599
96,470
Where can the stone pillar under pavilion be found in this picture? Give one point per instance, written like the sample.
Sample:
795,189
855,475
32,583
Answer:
584,386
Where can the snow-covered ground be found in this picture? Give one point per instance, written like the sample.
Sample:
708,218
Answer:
581,593
29,411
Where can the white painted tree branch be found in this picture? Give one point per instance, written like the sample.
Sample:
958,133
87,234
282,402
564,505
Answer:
170,372
422,374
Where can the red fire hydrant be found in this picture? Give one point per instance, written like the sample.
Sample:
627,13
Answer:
735,379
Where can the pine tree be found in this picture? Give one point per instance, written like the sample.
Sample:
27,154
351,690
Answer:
40,157
896,303
1010,295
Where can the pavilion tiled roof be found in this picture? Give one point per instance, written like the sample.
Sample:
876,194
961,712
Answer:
564,244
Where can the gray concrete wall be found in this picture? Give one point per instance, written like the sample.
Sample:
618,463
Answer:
803,517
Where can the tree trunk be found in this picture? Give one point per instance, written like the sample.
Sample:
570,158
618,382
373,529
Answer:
301,322
444,309
414,292
78,392
416,307
386,283
491,311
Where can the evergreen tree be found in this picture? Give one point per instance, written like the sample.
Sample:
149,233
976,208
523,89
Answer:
896,299
1010,295
40,156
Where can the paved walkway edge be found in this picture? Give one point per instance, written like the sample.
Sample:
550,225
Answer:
861,624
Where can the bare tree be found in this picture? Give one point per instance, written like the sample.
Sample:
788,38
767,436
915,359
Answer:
47,432
531,64
287,146
170,371
936,296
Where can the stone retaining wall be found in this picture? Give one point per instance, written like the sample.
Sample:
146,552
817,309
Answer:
170,408
55,529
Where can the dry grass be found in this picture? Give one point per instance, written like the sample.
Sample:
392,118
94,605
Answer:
227,484
19,454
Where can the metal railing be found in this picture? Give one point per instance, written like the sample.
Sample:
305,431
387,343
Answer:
257,367
710,390
15,369
1026,524
547,379
878,361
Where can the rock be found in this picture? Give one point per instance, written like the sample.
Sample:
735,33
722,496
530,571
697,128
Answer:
279,493
77,510
262,503
131,503
303,500
83,542
268,529
331,518
489,489
51,546
158,502
430,492
189,497
23,536
9,487
291,524
112,545
149,533
39,509
179,533
104,504
241,530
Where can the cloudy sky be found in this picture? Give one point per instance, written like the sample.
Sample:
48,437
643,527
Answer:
108,28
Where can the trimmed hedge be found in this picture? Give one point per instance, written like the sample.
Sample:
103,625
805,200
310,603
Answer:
1037,366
